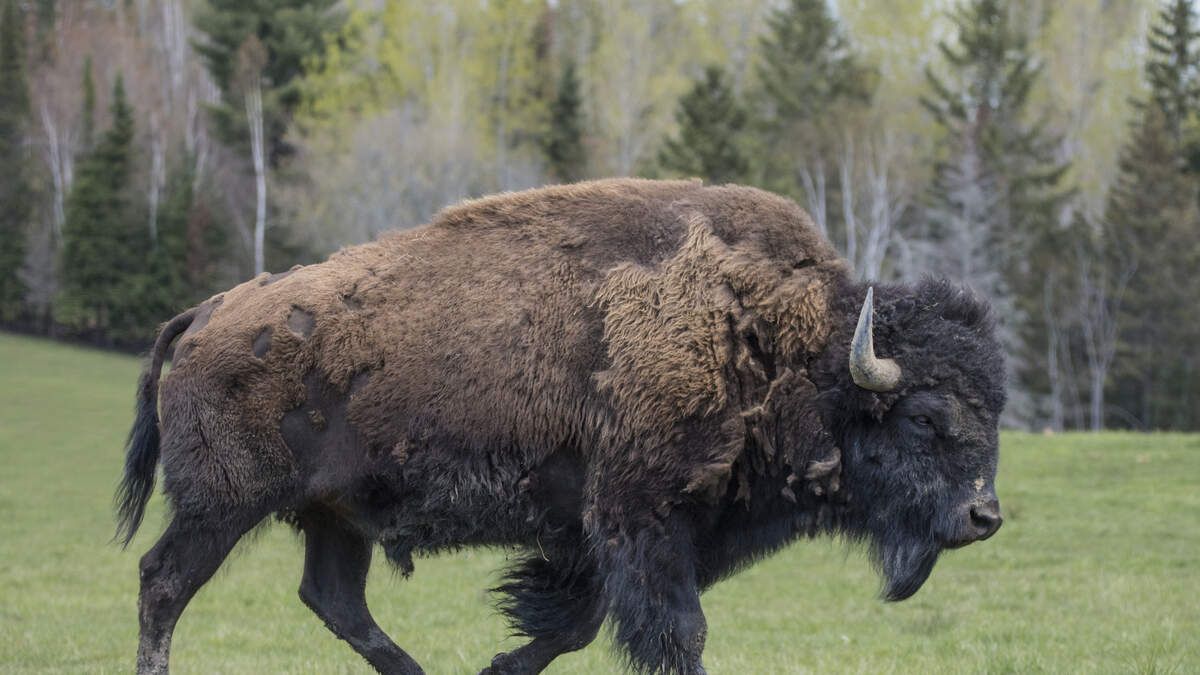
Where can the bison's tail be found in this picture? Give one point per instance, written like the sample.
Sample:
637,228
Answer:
141,458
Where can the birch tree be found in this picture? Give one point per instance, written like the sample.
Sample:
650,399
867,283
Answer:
251,58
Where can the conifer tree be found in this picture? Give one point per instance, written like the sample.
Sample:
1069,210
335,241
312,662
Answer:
1155,223
807,63
104,247
710,124
996,196
1149,212
810,80
165,284
1171,67
256,53
563,145
16,202
1000,178
291,31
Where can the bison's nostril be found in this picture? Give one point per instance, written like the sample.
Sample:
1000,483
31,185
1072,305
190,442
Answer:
986,518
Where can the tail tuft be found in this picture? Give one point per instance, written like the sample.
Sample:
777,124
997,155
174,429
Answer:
141,460
141,448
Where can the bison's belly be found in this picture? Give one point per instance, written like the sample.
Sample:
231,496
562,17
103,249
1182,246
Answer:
430,504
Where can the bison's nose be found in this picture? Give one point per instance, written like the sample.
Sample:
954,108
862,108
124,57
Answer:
985,519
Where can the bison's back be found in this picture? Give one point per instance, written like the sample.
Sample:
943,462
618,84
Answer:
482,332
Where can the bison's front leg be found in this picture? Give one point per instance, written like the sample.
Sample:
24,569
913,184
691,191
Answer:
654,600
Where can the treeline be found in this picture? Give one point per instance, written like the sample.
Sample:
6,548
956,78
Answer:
1047,153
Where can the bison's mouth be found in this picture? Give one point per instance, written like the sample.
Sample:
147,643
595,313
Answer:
905,567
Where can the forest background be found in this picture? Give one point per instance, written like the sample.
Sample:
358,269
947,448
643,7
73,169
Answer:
1046,152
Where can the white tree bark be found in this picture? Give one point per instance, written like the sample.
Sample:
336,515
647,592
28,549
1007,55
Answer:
158,171
60,161
814,191
847,186
254,117
1099,302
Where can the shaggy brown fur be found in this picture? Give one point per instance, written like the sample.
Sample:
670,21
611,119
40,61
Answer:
612,311
615,372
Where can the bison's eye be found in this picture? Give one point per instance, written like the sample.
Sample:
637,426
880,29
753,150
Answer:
922,420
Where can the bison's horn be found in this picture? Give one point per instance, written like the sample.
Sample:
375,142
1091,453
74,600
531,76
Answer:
869,371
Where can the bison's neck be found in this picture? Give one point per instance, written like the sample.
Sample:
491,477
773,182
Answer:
748,526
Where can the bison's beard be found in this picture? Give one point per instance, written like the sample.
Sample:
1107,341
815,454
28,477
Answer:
903,549
905,566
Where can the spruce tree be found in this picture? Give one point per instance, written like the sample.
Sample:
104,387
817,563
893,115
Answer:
807,63
1149,210
1170,70
563,145
997,157
104,247
292,31
710,124
16,202
996,197
1155,223
810,79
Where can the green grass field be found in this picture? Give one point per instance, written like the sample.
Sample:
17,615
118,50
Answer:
1095,570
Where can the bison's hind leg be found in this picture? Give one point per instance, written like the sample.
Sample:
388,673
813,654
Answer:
183,560
552,596
336,560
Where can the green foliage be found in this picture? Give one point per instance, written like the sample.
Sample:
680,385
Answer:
996,197
807,63
1155,223
1174,58
171,285
105,247
563,143
291,31
710,123
984,115
811,83
16,199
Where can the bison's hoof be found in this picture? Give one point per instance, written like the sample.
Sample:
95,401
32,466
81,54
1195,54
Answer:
502,664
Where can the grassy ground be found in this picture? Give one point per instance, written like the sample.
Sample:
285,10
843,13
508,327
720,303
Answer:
1095,569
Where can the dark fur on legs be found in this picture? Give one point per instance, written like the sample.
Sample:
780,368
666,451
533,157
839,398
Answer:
336,560
650,580
553,597
182,560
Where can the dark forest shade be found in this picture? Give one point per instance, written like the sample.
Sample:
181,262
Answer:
563,145
16,197
104,244
1153,231
709,144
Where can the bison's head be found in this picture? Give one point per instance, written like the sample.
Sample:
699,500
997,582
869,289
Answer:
913,399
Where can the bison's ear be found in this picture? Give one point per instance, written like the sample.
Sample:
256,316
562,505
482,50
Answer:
868,370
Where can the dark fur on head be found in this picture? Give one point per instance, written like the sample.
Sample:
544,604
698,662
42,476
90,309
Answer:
905,494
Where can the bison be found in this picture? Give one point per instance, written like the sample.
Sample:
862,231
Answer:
643,386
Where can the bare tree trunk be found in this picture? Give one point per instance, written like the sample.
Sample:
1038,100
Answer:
888,201
59,170
814,190
254,116
1100,301
157,172
1052,346
847,175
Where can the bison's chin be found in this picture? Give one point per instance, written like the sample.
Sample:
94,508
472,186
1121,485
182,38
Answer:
905,567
